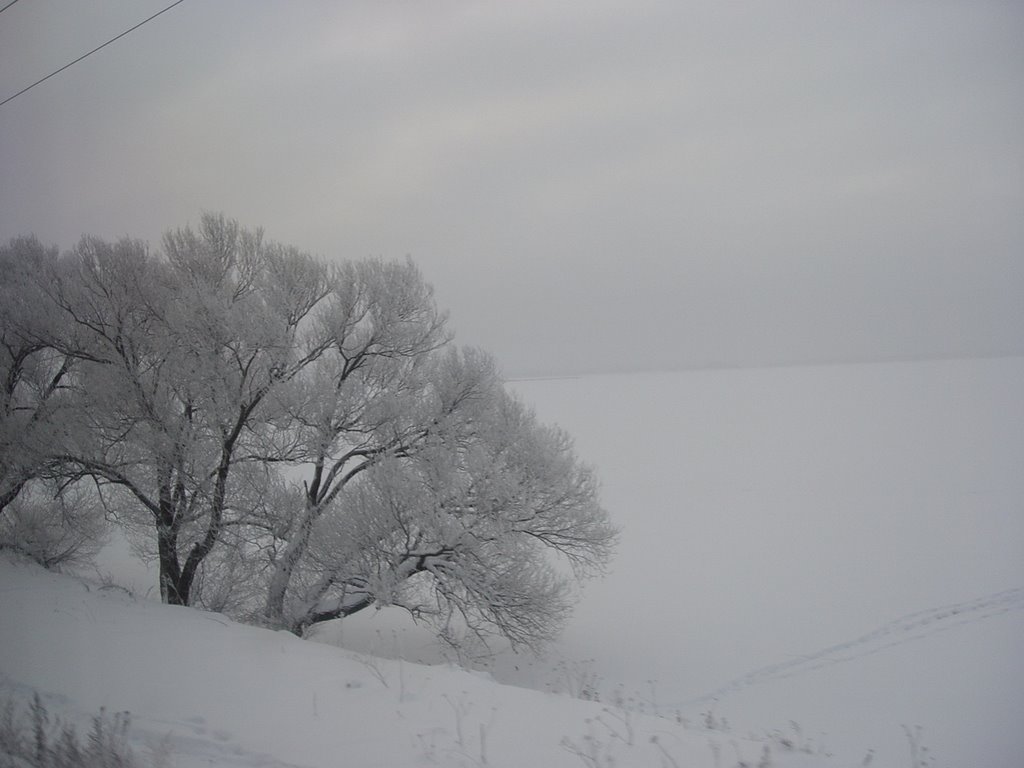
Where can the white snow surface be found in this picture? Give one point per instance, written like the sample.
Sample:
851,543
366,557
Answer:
839,547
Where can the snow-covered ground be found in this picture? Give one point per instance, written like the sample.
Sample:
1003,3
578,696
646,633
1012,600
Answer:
218,693
840,546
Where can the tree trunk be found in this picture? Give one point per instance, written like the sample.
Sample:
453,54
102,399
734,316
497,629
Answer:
170,568
203,548
280,580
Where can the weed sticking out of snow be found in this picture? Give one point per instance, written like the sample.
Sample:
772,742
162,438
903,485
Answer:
33,737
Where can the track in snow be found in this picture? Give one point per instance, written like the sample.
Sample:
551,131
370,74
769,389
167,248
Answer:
906,629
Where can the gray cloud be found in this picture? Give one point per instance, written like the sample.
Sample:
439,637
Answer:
590,186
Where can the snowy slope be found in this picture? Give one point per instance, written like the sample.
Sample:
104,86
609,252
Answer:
227,694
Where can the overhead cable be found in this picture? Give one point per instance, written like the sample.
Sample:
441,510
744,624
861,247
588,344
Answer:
86,55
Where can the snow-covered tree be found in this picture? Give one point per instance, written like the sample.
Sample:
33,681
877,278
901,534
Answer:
424,483
41,514
465,529
183,352
293,440
361,402
55,523
415,479
33,373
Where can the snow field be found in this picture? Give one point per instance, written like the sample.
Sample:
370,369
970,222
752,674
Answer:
837,546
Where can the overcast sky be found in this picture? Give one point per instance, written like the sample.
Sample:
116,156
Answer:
589,185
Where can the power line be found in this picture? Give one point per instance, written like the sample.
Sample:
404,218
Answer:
86,55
